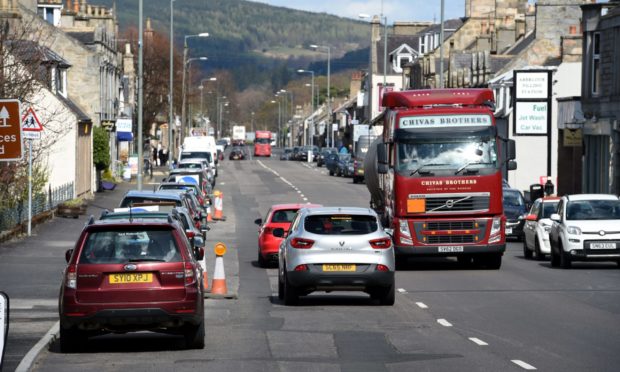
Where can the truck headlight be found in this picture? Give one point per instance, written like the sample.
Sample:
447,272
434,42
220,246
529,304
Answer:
404,228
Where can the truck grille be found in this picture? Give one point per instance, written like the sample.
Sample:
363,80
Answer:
450,225
450,239
457,203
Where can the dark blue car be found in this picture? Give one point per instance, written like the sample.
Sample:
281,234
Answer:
515,209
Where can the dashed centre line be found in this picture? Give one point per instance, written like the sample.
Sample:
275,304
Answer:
478,341
444,322
523,365
421,305
402,290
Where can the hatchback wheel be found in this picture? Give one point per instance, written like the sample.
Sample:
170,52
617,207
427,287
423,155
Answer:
538,255
280,289
261,261
291,296
71,339
195,336
331,173
526,251
565,259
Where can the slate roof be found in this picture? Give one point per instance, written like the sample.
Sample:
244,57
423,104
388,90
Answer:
395,41
30,51
83,37
81,115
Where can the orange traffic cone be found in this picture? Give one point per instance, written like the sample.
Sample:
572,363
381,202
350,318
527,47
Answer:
218,285
209,216
219,205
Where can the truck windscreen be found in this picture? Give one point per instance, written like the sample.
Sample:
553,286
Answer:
446,156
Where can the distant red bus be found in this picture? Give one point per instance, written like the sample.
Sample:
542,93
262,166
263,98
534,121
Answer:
262,143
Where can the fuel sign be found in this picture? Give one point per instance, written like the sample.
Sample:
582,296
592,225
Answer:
11,139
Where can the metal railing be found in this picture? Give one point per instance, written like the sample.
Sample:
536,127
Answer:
42,202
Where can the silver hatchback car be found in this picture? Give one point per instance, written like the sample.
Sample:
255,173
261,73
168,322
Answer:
335,248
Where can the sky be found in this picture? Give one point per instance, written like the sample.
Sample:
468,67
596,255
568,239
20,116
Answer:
395,10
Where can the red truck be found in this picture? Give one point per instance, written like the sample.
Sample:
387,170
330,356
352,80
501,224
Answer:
262,143
435,175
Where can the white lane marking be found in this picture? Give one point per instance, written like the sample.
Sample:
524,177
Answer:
478,341
298,191
222,183
444,322
523,365
402,290
28,360
306,199
421,305
283,179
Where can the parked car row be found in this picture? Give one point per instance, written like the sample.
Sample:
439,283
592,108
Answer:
300,153
138,267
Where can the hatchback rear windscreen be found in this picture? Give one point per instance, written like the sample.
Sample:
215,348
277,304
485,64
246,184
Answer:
122,246
341,224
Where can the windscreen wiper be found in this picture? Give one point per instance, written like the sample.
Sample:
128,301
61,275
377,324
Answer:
146,260
422,166
467,165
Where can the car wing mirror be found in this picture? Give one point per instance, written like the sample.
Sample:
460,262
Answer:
278,232
555,217
199,241
258,221
199,252
68,255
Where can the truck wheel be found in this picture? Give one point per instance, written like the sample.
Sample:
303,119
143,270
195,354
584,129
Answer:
464,260
492,261
526,251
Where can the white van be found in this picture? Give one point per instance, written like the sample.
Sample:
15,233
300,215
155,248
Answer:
199,144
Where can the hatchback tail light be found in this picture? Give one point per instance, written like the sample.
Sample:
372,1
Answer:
382,268
301,243
71,277
301,268
190,234
382,243
190,275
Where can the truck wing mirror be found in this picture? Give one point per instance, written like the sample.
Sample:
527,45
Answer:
512,151
382,158
512,165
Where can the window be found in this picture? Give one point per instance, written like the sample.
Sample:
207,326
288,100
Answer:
596,63
48,14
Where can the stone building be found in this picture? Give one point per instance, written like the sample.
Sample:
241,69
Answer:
599,119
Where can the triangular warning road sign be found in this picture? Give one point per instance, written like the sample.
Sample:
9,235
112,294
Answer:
30,121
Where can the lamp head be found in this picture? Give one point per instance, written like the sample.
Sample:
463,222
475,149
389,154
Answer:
203,34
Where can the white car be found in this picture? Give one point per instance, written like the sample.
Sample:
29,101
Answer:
537,226
586,227
335,248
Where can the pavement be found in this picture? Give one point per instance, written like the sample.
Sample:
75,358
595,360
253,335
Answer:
31,270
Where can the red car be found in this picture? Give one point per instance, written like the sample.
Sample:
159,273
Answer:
131,275
278,216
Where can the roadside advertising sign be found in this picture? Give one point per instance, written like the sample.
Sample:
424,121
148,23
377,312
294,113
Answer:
11,139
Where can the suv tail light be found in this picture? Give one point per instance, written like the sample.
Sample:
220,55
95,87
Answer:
190,275
301,243
382,243
190,234
71,277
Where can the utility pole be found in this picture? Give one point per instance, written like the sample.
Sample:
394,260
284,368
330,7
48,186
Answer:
140,96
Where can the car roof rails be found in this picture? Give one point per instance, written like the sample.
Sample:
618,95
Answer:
104,213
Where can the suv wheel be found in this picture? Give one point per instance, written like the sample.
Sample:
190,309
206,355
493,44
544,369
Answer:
291,296
331,173
526,251
195,336
280,289
71,339
385,296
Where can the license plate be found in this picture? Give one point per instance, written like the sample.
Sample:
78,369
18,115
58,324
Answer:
338,267
457,248
124,278
602,245
508,230
360,171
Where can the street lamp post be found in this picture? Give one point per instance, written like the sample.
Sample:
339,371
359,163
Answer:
219,114
279,122
170,86
329,101
201,87
311,103
184,121
292,113
185,62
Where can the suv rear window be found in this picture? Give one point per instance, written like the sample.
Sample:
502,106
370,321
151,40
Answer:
196,155
122,245
130,200
340,224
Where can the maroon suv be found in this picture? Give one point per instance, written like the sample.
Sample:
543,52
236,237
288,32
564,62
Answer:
131,275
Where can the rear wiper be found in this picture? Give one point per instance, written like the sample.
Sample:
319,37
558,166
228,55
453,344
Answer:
146,260
422,166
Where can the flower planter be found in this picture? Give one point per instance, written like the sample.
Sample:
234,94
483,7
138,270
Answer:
108,185
69,211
